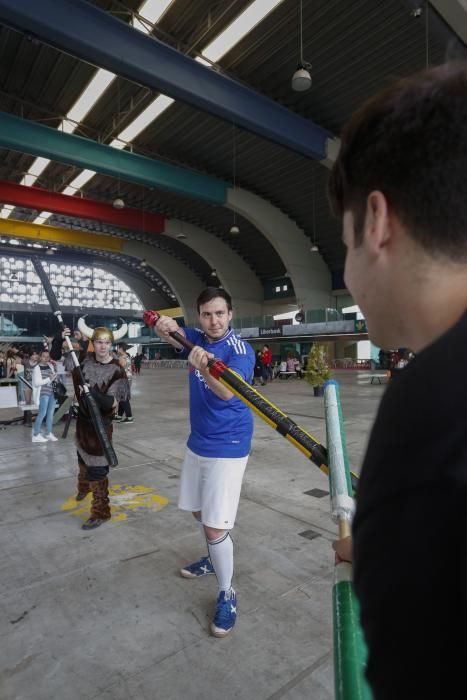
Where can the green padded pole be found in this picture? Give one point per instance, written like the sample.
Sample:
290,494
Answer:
349,646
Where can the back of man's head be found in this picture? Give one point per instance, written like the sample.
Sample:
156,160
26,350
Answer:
410,143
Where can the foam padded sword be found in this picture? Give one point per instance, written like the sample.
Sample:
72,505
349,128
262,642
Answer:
266,410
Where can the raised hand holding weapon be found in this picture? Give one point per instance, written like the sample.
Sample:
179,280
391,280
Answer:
91,405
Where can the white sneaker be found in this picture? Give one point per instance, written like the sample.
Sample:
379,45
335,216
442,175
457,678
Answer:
51,437
38,438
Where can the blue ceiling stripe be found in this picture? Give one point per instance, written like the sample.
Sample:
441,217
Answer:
83,30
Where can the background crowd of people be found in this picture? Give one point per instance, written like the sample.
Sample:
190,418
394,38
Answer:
47,375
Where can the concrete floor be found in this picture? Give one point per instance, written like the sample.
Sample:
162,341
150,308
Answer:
105,615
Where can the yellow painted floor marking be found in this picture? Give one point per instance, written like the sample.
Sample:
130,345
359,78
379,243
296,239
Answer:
125,499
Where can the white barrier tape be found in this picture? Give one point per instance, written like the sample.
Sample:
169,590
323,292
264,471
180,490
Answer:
343,507
335,447
342,572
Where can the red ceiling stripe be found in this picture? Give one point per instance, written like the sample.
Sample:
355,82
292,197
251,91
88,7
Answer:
45,200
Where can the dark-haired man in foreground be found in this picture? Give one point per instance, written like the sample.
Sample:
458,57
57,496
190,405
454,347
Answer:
218,445
400,184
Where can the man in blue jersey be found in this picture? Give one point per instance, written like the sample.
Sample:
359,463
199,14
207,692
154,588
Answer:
218,445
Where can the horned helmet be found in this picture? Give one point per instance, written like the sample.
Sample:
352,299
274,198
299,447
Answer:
101,332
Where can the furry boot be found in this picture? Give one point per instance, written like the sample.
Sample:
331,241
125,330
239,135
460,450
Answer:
100,506
83,483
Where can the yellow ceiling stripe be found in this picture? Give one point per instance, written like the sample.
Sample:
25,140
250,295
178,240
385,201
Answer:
54,234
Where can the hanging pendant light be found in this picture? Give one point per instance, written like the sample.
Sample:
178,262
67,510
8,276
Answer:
301,79
314,248
234,229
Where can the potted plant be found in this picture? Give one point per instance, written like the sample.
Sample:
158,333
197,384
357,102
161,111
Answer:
317,369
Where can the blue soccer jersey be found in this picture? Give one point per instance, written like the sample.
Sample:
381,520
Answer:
220,428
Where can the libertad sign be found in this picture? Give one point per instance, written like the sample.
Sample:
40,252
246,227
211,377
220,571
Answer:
269,332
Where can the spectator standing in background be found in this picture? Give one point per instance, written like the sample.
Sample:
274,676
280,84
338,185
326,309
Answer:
43,376
124,407
266,357
137,362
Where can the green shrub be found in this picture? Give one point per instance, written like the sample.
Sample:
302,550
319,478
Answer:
317,368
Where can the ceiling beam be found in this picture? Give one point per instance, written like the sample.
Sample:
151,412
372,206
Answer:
46,200
55,234
454,13
29,137
83,30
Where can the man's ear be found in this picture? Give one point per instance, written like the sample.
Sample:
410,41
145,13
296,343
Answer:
377,230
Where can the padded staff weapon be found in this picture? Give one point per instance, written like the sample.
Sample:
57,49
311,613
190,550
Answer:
350,652
266,410
91,405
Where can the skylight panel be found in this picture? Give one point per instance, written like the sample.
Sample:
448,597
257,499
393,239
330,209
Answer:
6,211
79,181
239,28
88,98
198,59
43,216
152,10
36,169
147,116
116,143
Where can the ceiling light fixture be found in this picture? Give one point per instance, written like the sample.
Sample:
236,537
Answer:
234,230
213,273
314,248
118,203
301,79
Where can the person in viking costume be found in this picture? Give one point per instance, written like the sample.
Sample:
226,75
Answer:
109,385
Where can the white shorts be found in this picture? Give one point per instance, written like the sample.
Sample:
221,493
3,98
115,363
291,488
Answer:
212,485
